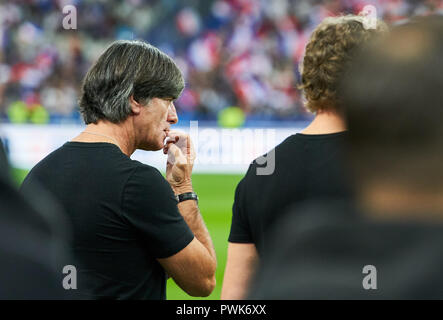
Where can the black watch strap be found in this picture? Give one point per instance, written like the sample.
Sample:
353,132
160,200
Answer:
187,196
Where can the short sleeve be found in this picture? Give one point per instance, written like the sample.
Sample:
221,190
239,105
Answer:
150,206
240,229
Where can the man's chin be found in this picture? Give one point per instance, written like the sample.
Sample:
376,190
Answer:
152,147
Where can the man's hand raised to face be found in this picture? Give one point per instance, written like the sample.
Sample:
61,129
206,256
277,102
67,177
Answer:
193,268
181,156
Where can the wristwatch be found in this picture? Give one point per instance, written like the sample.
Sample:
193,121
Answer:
187,196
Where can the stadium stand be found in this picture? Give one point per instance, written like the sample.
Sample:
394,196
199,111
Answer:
240,53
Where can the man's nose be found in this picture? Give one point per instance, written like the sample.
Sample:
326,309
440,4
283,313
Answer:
172,114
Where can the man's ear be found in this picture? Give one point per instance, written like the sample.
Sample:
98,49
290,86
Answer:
135,105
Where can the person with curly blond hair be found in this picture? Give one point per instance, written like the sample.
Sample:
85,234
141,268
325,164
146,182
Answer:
331,46
306,165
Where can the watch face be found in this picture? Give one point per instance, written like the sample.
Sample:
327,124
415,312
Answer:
187,196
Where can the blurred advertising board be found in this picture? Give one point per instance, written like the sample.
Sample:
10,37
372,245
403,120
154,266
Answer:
219,150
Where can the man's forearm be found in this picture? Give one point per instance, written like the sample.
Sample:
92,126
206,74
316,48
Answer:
194,219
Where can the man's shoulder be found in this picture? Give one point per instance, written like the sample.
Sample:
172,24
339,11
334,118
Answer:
146,186
145,169
53,155
290,152
49,162
257,168
145,176
110,165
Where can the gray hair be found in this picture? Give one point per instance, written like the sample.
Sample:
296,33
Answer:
127,68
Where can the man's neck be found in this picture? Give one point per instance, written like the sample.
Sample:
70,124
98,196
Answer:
324,123
105,131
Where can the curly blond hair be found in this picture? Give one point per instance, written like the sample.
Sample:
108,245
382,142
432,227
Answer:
331,46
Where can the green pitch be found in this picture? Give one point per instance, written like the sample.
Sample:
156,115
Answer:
216,193
216,196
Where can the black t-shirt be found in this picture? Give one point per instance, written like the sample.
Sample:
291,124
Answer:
306,166
320,250
123,214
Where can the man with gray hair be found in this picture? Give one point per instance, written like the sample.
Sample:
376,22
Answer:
130,227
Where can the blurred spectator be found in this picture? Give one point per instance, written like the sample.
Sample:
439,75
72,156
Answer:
32,242
4,167
236,52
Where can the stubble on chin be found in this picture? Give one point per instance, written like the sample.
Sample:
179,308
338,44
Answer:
151,146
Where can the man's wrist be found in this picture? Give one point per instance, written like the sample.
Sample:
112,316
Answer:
187,196
182,189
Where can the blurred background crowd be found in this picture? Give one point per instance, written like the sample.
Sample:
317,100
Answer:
233,53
